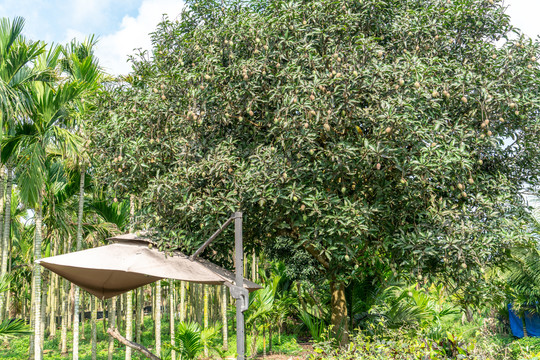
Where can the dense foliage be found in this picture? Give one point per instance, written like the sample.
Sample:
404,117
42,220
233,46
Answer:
363,138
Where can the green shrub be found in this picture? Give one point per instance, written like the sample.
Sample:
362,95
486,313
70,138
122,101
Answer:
398,344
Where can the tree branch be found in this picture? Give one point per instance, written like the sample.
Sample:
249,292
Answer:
311,250
115,334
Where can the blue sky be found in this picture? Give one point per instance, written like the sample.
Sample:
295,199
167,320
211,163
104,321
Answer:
123,25
51,20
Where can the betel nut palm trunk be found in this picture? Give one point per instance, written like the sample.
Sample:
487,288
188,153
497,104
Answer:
38,351
5,235
79,247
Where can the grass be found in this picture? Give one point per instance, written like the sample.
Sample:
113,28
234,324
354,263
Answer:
17,348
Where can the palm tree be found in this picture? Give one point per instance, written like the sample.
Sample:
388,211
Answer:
16,72
191,340
48,125
81,65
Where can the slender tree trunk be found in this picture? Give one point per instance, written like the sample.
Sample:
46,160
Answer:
38,351
339,319
182,301
120,309
53,292
153,297
5,239
270,338
138,308
93,306
63,336
71,306
83,316
112,324
225,327
31,352
129,322
264,341
158,318
254,267
3,184
199,311
43,313
205,313
129,295
254,335
9,304
171,316
141,309
51,307
79,247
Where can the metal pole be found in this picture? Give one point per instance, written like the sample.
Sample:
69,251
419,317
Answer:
239,259
211,238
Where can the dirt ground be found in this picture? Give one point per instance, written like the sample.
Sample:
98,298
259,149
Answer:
307,350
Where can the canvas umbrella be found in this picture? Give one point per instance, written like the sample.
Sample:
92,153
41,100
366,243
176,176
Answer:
132,261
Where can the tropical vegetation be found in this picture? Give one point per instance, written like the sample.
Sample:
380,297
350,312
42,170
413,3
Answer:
384,154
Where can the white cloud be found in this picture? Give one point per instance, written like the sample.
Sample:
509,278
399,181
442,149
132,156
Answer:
113,49
83,10
524,15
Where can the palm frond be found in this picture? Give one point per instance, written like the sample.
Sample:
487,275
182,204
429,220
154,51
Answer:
14,327
188,340
315,325
32,175
115,213
10,31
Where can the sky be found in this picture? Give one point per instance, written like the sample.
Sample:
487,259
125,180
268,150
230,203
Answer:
124,25
120,25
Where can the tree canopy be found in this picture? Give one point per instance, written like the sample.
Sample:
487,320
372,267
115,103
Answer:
360,138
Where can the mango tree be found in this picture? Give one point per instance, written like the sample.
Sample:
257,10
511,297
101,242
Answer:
358,137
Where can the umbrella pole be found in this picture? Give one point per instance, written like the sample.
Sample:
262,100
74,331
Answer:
239,259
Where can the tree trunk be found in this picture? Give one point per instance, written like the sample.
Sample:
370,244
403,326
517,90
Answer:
112,324
3,181
83,316
79,247
339,319
171,316
31,353
138,318
270,338
71,306
129,322
43,313
254,267
254,335
5,240
63,336
129,295
38,351
53,292
93,306
264,341
224,318
205,314
52,306
158,317
182,301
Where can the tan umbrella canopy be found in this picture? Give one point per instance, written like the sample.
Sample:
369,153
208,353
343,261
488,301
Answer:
132,261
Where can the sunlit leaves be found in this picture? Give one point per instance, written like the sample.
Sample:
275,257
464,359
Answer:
348,132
